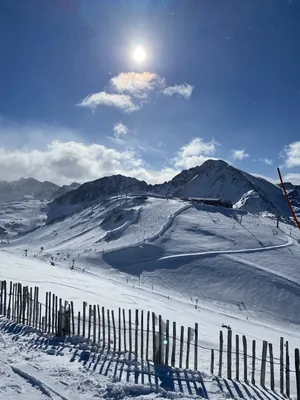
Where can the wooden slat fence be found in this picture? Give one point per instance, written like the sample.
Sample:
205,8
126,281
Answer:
146,336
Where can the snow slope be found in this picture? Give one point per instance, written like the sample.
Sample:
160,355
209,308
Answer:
159,255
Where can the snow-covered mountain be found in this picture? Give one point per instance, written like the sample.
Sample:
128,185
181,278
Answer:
213,179
26,188
94,190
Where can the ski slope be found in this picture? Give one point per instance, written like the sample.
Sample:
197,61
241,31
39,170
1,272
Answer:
160,255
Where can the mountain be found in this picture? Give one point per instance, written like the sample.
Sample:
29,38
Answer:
214,178
98,190
64,189
26,188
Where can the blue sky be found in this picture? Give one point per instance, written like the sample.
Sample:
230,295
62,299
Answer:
220,80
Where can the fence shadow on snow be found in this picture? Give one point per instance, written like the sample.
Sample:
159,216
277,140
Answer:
143,348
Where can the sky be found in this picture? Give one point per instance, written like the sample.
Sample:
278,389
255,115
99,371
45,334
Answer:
147,88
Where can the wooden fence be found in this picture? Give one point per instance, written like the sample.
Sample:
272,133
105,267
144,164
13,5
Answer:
146,336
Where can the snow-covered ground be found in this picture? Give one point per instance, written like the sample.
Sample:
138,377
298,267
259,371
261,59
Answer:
160,255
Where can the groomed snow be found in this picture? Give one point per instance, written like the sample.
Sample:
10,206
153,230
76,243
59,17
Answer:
171,253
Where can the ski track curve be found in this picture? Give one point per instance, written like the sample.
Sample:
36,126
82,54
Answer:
290,242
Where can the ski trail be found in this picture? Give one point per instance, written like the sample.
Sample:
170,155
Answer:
290,242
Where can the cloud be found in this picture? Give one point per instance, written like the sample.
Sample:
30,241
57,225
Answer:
266,161
64,162
292,177
196,152
291,153
267,178
239,154
129,91
121,101
120,129
136,84
183,90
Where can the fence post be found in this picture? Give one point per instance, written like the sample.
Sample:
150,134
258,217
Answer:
297,370
181,346
24,305
136,337
99,323
94,324
53,313
78,324
46,309
188,346
72,316
56,313
1,298
114,330
5,295
253,361
245,358
173,345
263,364
103,325
90,321
153,338
10,301
124,327
166,342
220,353
120,330
147,335
237,357
196,348
271,366
84,304
108,331
212,359
229,351
281,367
287,369
40,315
142,335
160,360
49,315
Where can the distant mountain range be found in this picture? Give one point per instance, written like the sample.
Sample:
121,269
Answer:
26,188
213,179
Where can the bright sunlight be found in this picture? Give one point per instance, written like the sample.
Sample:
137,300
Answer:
139,54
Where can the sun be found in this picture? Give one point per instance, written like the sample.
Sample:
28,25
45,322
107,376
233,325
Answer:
139,54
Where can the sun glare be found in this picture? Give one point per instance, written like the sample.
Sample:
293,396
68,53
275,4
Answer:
139,54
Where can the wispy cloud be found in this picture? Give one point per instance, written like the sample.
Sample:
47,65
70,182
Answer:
293,178
239,154
196,152
266,161
183,90
291,154
129,91
120,129
121,101
136,84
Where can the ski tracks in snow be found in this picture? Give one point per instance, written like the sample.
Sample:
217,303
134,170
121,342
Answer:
290,242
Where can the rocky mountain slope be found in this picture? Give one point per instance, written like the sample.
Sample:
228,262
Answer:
26,188
64,190
214,178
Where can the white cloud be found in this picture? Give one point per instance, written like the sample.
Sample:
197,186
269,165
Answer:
129,91
196,152
121,101
120,129
136,84
239,154
183,90
291,153
65,162
266,161
292,177
267,178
